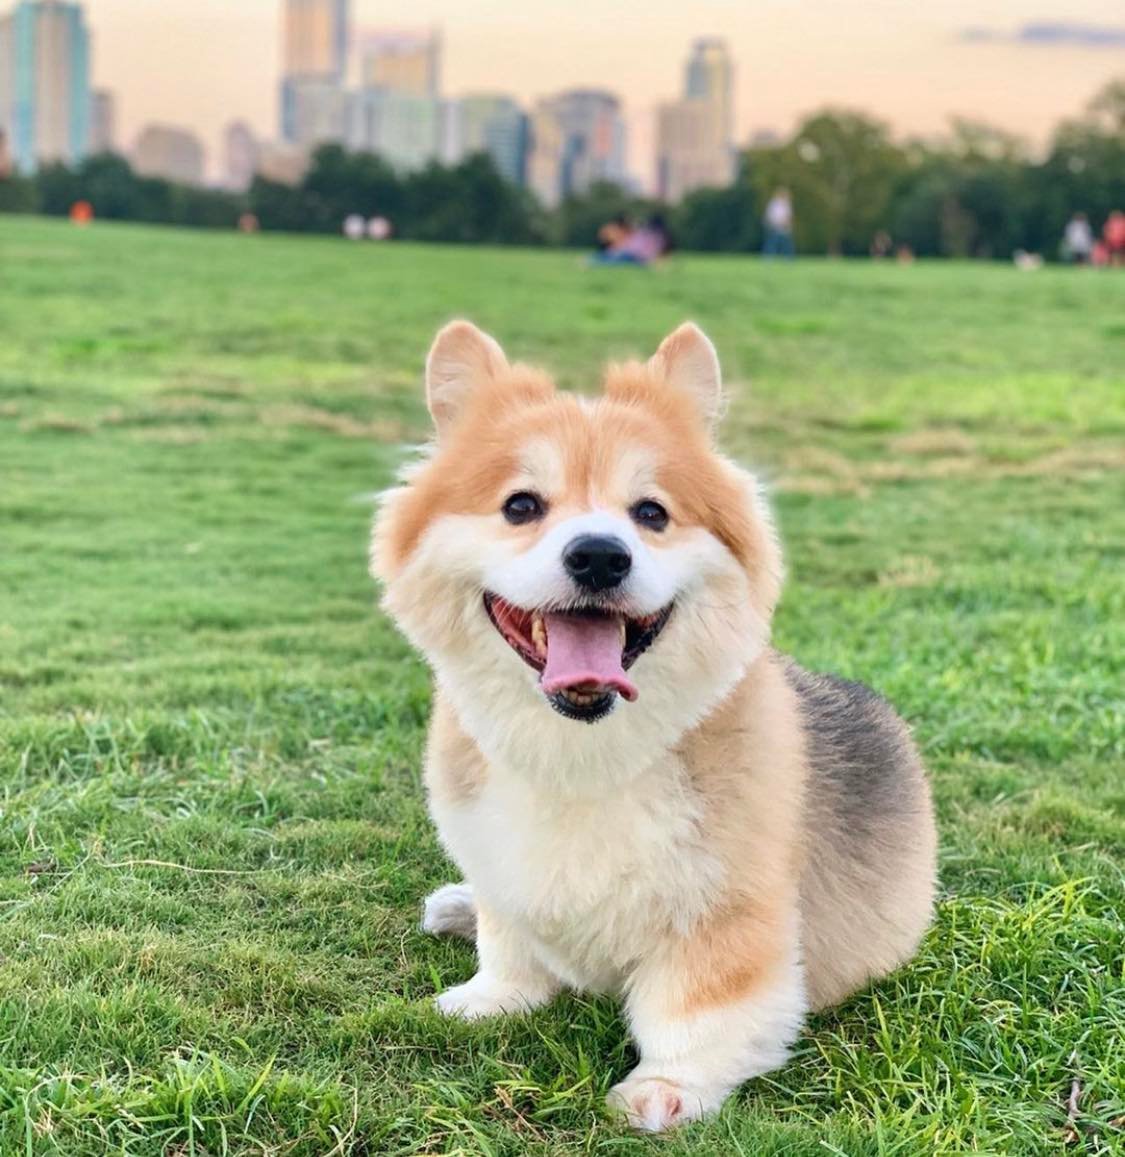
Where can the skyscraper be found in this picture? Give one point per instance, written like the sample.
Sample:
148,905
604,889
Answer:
405,130
314,60
316,112
240,156
578,138
694,134
316,38
103,121
495,125
406,62
172,153
710,77
45,82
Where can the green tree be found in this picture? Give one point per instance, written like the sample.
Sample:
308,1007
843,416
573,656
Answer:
718,220
842,169
1084,170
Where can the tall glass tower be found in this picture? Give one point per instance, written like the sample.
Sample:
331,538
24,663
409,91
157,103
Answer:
45,82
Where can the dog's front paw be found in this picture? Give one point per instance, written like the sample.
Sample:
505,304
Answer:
654,1104
450,911
478,998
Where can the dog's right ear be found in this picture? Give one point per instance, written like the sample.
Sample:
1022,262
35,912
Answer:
461,359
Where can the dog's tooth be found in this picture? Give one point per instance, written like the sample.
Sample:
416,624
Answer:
624,628
539,635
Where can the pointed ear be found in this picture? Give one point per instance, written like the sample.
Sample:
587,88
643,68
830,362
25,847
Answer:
687,361
461,359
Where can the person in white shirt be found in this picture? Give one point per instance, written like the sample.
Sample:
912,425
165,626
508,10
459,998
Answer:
1078,240
778,221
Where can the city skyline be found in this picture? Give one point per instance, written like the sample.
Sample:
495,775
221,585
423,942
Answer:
913,68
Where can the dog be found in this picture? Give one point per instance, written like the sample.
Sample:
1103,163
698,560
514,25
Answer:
643,797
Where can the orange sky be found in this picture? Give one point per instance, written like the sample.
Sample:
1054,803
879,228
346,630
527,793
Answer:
202,62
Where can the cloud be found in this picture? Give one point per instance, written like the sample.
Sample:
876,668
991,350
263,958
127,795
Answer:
1049,34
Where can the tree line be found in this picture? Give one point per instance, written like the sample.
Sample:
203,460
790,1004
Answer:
980,192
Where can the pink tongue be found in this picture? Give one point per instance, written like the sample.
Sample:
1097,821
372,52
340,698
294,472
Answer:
584,654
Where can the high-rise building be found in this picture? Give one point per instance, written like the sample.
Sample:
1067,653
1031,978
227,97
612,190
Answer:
402,128
45,82
495,125
710,77
694,135
578,138
240,156
315,60
405,62
316,112
316,38
284,163
103,121
172,153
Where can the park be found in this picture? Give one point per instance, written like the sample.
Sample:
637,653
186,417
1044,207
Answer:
213,836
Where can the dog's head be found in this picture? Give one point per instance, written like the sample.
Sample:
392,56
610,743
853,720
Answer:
556,554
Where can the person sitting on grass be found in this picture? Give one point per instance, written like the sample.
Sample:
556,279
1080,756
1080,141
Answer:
644,245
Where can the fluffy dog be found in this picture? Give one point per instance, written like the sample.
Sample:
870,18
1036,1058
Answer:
643,797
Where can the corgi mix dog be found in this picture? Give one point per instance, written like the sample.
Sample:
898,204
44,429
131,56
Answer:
642,796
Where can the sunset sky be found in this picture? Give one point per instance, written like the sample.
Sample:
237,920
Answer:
201,63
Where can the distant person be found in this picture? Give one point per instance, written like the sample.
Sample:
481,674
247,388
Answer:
1078,240
614,233
355,227
1113,237
645,245
248,223
881,245
778,220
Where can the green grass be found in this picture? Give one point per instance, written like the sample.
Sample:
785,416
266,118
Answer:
212,836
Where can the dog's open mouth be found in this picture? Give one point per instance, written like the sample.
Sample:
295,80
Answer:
582,656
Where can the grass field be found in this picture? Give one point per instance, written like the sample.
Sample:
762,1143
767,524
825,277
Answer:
212,835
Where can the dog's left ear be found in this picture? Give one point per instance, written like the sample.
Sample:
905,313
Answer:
687,361
461,358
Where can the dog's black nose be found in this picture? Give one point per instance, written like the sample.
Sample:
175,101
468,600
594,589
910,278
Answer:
597,561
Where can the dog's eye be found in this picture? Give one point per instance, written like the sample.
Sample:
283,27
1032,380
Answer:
650,515
523,506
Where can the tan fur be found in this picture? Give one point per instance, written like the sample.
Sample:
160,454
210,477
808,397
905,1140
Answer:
455,767
747,762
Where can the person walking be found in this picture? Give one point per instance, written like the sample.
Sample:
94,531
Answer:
1078,240
778,221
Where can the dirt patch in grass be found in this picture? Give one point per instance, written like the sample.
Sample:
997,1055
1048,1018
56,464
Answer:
942,442
184,412
815,471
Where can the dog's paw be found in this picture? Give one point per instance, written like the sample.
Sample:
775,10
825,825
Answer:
476,999
653,1104
450,911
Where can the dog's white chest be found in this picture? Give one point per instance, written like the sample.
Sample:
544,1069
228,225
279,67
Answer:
591,879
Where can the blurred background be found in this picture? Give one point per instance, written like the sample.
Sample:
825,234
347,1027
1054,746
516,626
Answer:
964,129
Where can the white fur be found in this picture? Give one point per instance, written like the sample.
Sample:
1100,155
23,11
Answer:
450,911
588,878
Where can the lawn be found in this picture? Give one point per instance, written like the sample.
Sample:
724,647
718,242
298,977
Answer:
213,841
